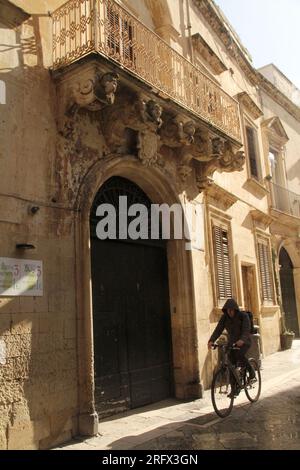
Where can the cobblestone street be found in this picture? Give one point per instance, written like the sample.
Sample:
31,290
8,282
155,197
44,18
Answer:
271,423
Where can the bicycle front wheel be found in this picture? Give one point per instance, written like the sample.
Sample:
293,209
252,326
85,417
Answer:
221,396
253,386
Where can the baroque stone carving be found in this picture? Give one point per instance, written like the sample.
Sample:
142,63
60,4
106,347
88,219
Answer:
135,125
148,139
147,148
176,133
132,127
187,132
151,112
109,85
228,160
93,91
184,171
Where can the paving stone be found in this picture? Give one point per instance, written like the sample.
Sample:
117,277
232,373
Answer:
272,423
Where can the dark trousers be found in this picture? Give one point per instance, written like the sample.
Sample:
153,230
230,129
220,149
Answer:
237,357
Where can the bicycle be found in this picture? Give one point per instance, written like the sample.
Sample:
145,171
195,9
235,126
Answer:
228,376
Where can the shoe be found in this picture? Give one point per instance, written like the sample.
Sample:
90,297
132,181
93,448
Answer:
251,375
233,393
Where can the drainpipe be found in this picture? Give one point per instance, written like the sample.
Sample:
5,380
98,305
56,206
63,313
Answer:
189,27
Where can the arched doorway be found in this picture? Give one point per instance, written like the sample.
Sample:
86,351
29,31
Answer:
288,291
131,312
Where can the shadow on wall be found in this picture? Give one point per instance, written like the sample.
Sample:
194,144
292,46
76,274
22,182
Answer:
294,172
38,394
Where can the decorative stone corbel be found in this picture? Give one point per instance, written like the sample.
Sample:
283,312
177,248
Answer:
177,133
206,147
93,91
150,113
230,160
227,161
186,132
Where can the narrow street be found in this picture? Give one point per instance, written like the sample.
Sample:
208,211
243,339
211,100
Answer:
271,423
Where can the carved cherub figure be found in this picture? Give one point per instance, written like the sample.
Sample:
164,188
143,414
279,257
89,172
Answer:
186,132
217,146
109,84
154,112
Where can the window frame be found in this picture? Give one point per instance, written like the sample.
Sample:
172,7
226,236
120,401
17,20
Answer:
264,240
223,221
247,123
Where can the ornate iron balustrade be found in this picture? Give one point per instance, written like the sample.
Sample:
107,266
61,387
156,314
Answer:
285,200
103,26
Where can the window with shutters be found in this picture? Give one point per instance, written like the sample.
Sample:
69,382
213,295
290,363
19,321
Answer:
223,272
265,270
252,152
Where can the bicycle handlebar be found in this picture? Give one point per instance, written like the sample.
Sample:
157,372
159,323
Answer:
233,347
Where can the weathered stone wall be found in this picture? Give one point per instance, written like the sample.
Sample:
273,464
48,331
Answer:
38,380
52,159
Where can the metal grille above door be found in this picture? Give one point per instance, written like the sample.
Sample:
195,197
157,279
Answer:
110,193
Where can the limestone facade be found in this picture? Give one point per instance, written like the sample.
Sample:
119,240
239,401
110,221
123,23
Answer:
71,122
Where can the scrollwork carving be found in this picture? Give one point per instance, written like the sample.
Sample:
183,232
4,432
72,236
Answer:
227,161
93,91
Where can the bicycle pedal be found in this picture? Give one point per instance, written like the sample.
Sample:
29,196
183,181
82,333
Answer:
252,381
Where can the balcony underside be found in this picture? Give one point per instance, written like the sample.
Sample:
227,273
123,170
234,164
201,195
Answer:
133,119
285,218
103,27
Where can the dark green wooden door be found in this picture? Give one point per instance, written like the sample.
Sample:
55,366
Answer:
288,292
131,321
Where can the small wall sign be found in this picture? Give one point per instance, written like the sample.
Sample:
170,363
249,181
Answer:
20,277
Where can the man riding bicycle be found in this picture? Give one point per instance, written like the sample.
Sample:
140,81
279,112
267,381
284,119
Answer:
237,325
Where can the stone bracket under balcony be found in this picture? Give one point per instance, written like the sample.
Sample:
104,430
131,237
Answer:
104,112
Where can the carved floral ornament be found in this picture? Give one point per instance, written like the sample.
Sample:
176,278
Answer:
133,123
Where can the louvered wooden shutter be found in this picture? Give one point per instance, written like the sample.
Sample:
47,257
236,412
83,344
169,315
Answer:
222,263
251,144
127,38
113,26
265,269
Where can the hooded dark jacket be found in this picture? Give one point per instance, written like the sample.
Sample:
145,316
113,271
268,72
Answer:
237,327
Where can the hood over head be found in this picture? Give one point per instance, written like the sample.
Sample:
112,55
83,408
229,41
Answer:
230,303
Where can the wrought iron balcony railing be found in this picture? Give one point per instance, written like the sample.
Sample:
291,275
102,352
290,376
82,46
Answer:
285,200
81,27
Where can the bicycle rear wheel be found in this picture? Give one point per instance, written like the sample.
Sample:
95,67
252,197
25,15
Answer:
253,386
220,390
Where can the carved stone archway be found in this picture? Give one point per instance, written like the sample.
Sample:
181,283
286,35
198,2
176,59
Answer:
183,321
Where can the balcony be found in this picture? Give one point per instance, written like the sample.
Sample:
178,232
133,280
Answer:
82,27
285,201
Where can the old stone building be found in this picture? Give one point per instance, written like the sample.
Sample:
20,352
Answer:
156,100
281,142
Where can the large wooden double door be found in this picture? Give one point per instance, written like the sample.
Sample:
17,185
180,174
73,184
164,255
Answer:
288,292
131,322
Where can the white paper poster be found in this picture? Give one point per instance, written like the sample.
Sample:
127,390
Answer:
2,352
21,277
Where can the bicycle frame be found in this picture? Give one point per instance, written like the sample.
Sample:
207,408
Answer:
222,400
225,362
